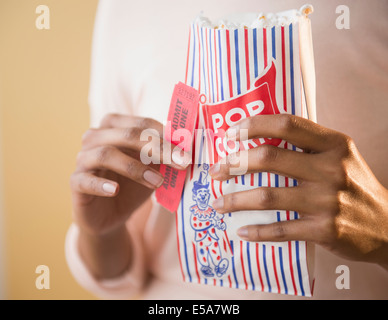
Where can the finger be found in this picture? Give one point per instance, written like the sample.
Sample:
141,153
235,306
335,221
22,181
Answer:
300,132
147,142
110,158
266,158
87,183
291,199
124,121
292,230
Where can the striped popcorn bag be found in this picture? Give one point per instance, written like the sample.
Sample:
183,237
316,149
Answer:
261,67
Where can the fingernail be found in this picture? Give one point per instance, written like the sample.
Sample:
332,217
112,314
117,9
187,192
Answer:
243,232
153,178
232,132
214,169
218,203
182,161
109,188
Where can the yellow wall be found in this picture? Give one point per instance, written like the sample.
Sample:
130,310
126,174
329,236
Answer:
44,79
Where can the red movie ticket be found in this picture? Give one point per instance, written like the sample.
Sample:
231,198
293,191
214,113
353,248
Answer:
181,120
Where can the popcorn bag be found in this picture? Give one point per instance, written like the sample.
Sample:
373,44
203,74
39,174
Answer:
241,67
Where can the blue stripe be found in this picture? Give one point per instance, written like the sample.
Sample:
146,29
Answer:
211,62
200,149
273,43
205,280
233,266
243,180
184,236
219,49
282,270
255,52
292,84
266,269
260,179
192,72
221,283
237,61
292,70
276,180
298,266
281,260
203,61
250,268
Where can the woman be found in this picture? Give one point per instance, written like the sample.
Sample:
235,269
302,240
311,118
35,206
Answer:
122,244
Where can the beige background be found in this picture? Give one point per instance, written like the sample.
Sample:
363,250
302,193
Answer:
44,80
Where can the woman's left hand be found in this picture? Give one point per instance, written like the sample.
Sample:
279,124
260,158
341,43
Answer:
341,204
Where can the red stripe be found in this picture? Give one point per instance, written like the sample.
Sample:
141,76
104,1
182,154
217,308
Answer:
193,155
207,59
177,241
247,59
222,194
213,189
199,60
188,55
258,267
214,282
312,287
286,178
269,179
274,268
301,85
195,261
242,265
284,72
227,240
230,282
291,268
215,55
215,196
248,76
229,63
265,47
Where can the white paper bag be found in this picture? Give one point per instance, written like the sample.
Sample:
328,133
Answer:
234,66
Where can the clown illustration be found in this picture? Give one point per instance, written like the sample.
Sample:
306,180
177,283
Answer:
207,223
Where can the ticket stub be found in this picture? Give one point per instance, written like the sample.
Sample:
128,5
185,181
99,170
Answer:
179,130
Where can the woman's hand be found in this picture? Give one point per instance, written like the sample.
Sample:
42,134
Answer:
341,204
110,182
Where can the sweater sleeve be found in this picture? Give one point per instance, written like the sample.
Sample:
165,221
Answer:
126,286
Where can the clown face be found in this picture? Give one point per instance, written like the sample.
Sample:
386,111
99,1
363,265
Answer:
202,198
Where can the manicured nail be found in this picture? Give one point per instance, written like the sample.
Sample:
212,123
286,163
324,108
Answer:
214,169
153,178
243,232
218,203
109,188
232,132
182,161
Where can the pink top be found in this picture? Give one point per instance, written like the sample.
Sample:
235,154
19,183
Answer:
139,54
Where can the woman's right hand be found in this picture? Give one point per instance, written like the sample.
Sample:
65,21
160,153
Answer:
110,181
